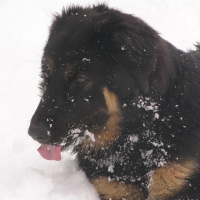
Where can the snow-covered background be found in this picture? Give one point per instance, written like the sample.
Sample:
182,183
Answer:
24,175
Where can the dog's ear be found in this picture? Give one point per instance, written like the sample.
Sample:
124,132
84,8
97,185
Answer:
137,52
129,45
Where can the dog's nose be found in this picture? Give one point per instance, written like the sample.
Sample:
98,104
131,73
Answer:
40,134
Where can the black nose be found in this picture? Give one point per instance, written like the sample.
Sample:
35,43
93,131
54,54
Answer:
40,134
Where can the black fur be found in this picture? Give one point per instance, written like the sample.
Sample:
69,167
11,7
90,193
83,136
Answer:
157,86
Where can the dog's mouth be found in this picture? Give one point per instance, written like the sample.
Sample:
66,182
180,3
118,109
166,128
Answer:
52,151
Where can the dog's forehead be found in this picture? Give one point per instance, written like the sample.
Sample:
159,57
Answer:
69,65
80,65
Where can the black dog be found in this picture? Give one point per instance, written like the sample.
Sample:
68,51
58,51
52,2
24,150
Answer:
126,100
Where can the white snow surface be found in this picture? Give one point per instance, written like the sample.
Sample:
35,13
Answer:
24,28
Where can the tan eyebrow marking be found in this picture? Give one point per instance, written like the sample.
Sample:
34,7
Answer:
68,71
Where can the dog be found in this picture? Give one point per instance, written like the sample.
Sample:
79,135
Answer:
126,100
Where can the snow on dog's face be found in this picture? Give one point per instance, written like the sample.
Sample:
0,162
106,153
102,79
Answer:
91,68
76,105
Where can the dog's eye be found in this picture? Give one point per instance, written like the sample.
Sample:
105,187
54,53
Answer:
80,79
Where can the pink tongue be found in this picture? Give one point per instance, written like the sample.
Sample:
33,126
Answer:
50,152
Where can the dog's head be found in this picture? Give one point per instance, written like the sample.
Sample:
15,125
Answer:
95,63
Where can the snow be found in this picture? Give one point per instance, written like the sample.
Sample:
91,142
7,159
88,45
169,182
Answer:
148,104
24,31
86,59
134,138
111,168
90,135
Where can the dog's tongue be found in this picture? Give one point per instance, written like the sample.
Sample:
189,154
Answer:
50,152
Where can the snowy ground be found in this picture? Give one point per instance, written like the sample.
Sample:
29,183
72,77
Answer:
24,175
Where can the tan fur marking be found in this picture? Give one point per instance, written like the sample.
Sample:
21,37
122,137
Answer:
116,190
112,127
111,101
170,179
48,62
69,71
